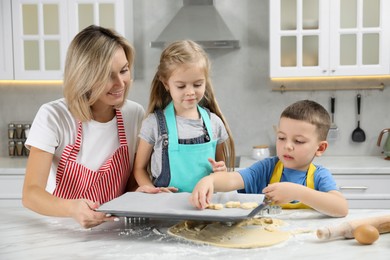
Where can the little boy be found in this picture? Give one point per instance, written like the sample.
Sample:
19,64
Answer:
288,179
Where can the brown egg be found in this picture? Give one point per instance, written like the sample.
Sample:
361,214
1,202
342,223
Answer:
366,234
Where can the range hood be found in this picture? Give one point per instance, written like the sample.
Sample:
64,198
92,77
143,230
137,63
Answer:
198,20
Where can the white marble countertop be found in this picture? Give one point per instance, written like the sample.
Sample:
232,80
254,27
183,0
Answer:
13,165
27,235
343,164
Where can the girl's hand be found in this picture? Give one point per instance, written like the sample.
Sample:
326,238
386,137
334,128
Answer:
152,189
168,189
83,211
218,166
148,189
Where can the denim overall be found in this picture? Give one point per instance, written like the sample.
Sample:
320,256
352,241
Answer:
184,161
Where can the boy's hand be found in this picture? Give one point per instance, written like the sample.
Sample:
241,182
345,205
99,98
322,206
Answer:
217,166
282,192
202,193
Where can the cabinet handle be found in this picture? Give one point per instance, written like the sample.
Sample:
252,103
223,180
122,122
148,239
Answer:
353,188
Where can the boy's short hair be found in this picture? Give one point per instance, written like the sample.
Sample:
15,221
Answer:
311,112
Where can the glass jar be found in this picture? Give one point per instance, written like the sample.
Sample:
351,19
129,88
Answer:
260,152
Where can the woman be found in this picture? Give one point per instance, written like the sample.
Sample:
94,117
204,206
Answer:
82,147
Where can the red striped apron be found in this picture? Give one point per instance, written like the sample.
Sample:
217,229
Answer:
75,181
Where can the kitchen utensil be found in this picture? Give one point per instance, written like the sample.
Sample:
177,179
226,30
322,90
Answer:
358,134
345,229
259,208
386,147
176,206
333,130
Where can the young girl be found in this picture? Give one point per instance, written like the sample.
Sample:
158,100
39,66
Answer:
184,136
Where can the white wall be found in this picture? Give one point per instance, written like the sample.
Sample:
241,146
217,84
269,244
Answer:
240,78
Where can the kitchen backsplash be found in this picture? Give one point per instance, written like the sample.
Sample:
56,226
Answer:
240,78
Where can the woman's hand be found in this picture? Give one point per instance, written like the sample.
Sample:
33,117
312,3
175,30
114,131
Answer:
83,211
217,166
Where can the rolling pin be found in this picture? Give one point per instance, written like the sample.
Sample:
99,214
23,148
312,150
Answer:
346,229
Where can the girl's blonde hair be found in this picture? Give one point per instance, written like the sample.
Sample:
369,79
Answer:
88,67
182,53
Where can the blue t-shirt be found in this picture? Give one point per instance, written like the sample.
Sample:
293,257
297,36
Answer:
258,176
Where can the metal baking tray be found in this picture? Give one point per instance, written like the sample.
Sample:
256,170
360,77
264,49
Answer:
176,206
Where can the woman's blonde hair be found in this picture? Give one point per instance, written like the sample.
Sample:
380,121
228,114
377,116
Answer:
182,53
88,67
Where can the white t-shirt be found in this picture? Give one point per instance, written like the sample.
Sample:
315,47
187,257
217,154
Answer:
54,128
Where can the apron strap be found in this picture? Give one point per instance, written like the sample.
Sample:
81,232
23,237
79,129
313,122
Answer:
277,176
121,128
77,144
172,128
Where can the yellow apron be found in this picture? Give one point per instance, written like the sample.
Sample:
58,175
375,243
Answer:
277,175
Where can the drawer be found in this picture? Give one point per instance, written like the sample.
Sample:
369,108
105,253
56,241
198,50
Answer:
365,191
369,184
11,186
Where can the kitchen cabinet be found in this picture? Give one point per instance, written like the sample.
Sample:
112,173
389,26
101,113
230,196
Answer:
12,171
6,61
43,29
329,38
365,190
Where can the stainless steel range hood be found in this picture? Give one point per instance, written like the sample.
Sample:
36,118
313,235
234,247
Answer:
198,20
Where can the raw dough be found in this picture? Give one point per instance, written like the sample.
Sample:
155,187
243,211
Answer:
214,206
250,233
232,204
249,205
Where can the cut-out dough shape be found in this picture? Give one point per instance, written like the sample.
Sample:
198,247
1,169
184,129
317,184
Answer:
232,204
249,205
250,233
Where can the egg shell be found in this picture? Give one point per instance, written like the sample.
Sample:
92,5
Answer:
366,234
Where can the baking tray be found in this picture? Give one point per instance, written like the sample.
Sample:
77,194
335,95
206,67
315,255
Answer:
176,206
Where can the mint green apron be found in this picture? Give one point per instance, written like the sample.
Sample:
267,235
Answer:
188,162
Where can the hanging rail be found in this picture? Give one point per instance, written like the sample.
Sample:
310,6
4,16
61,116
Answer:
283,88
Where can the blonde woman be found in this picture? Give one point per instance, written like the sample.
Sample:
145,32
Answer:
82,147
185,135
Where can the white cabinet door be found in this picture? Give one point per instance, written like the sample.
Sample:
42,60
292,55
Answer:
106,13
359,37
329,38
40,37
299,38
6,49
43,29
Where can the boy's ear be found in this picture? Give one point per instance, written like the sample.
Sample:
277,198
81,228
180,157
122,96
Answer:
321,148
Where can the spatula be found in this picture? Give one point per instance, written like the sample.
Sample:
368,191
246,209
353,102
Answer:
333,130
358,134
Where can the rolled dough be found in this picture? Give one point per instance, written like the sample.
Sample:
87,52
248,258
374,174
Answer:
246,234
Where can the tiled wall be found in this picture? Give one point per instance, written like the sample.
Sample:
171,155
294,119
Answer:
241,81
